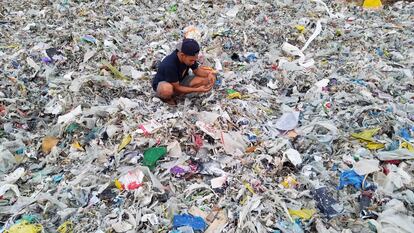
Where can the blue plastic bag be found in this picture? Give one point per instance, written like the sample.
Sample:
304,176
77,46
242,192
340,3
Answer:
350,178
405,133
251,58
197,223
286,226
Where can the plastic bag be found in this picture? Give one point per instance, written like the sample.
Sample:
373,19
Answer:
130,181
294,156
366,166
233,143
208,129
350,178
326,203
197,223
70,116
305,214
25,227
66,227
288,121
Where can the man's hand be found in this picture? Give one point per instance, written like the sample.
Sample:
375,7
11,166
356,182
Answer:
212,80
203,89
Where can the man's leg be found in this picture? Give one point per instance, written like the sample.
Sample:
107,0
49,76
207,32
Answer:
165,92
192,81
197,81
202,81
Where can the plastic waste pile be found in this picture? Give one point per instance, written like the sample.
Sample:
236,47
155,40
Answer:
309,128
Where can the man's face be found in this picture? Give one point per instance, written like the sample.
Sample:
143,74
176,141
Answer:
189,60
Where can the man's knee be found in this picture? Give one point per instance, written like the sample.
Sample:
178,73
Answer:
165,90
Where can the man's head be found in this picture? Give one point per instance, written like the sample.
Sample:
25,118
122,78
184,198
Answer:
188,51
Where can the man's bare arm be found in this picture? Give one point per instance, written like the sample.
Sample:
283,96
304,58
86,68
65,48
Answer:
187,90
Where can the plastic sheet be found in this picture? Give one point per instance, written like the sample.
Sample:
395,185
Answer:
350,178
196,223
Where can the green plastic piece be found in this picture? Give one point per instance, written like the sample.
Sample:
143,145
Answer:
231,91
173,8
72,128
152,155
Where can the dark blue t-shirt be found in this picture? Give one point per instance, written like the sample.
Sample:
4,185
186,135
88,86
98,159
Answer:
171,70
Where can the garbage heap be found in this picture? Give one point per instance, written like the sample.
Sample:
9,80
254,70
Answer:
309,127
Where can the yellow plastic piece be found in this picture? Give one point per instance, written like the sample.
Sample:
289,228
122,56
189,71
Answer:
302,213
338,32
118,184
235,95
116,72
25,227
289,182
372,4
407,146
248,187
375,145
66,227
125,141
300,28
11,46
77,146
366,135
